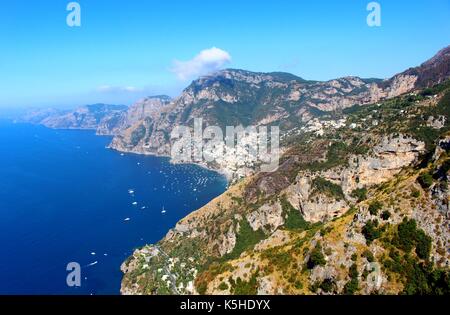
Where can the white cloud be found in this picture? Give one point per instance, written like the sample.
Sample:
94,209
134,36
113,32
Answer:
208,60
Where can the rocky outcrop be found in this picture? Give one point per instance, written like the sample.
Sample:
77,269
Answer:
267,218
386,160
314,207
228,242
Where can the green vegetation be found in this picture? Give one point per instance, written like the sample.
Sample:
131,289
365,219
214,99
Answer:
368,255
435,89
245,239
328,285
241,287
428,135
374,207
223,286
332,190
316,257
418,277
385,215
279,258
337,154
202,287
352,286
293,218
425,180
206,275
371,231
409,236
415,272
415,193
360,194
237,200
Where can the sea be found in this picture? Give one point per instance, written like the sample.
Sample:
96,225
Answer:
65,197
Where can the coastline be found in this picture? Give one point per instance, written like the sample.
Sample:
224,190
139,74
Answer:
222,172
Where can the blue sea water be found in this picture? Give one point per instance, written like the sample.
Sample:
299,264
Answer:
64,197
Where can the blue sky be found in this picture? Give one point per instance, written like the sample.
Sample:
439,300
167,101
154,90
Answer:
127,49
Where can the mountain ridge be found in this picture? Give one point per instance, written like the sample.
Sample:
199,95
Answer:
240,97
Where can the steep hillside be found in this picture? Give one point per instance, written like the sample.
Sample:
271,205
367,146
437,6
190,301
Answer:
147,108
359,205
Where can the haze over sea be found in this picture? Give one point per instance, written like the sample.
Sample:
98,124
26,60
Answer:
65,198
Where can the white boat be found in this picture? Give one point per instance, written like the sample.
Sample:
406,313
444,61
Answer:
127,219
163,210
134,203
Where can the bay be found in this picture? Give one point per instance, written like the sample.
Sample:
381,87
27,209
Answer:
65,197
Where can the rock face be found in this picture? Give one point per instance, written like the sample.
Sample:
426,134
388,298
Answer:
387,159
146,108
315,207
267,218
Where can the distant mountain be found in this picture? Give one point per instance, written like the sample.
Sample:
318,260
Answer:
105,119
84,117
